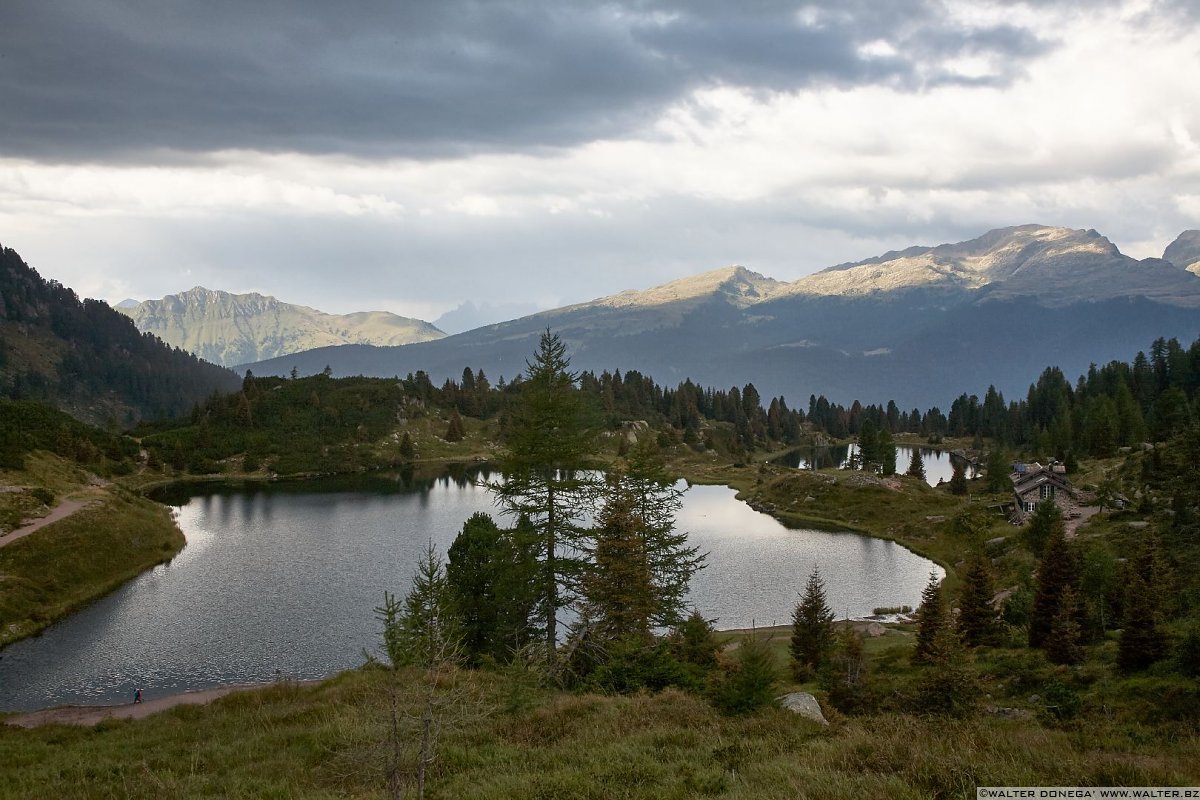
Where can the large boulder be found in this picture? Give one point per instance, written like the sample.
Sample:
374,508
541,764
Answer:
804,704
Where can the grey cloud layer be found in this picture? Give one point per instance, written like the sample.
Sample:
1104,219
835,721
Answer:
137,80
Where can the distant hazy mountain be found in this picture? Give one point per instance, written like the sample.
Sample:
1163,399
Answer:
919,326
232,329
87,359
468,316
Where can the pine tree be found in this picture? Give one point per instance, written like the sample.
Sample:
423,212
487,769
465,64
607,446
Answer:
641,566
868,446
885,448
812,630
548,443
1143,640
997,471
455,431
977,617
846,679
931,620
947,684
916,465
424,628
407,451
958,479
421,632
1047,523
748,681
1057,574
491,573
1064,645
694,641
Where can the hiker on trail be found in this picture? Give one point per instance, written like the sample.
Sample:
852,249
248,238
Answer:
137,696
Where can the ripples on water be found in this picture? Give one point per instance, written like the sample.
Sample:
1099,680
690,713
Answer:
281,583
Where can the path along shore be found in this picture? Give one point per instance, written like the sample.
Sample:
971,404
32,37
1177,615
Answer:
91,715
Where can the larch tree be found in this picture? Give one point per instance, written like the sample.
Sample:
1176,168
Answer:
548,442
617,587
421,632
656,500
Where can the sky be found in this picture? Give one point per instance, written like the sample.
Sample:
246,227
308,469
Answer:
414,156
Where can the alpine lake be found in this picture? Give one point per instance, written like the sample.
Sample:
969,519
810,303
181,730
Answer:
280,581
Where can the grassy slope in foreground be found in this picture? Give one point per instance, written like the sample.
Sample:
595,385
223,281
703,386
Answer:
511,740
59,568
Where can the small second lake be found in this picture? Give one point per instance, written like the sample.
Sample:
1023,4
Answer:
939,464
280,581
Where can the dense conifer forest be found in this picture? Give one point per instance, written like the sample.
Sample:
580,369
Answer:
86,358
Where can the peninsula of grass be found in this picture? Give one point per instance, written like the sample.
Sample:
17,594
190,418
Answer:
68,563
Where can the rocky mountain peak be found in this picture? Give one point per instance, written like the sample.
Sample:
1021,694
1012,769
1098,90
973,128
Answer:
1055,264
736,284
214,303
232,329
1184,252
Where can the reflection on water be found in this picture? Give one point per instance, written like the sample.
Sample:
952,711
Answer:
939,464
282,582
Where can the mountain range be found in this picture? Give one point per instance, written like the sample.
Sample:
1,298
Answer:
230,329
919,326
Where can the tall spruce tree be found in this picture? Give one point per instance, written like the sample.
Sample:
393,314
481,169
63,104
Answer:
977,617
1064,645
812,630
958,478
932,620
868,446
549,440
1143,640
885,448
1058,573
916,465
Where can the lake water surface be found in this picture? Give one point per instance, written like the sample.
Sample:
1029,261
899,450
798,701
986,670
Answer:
939,464
281,582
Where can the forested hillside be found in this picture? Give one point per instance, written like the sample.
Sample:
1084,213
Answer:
86,358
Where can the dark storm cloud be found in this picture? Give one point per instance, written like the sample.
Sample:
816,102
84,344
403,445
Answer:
139,80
